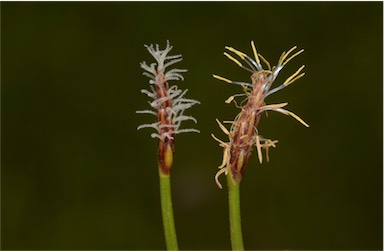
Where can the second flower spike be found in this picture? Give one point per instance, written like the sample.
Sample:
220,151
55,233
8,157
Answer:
243,133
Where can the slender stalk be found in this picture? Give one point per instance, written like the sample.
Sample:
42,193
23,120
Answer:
167,211
234,213
169,104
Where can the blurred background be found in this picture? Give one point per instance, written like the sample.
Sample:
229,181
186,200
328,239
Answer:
76,174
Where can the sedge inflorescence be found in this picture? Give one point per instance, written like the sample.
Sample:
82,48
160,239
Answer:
169,102
243,134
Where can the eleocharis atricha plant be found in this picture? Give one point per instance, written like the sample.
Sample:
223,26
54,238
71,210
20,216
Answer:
243,133
169,105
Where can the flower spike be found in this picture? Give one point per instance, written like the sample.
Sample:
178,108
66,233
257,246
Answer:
169,103
243,133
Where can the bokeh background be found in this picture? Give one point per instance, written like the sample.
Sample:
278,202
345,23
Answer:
76,174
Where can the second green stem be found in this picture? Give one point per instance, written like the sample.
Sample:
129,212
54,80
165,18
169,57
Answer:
234,213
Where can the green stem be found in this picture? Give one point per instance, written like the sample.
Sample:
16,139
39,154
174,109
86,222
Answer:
234,213
167,211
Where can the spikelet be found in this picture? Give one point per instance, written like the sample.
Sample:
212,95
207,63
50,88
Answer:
243,133
169,102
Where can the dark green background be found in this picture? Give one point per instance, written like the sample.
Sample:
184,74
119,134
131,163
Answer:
77,175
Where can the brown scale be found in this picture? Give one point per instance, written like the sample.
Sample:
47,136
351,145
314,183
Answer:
244,127
164,118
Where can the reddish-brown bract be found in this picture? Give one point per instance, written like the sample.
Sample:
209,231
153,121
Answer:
164,115
244,128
